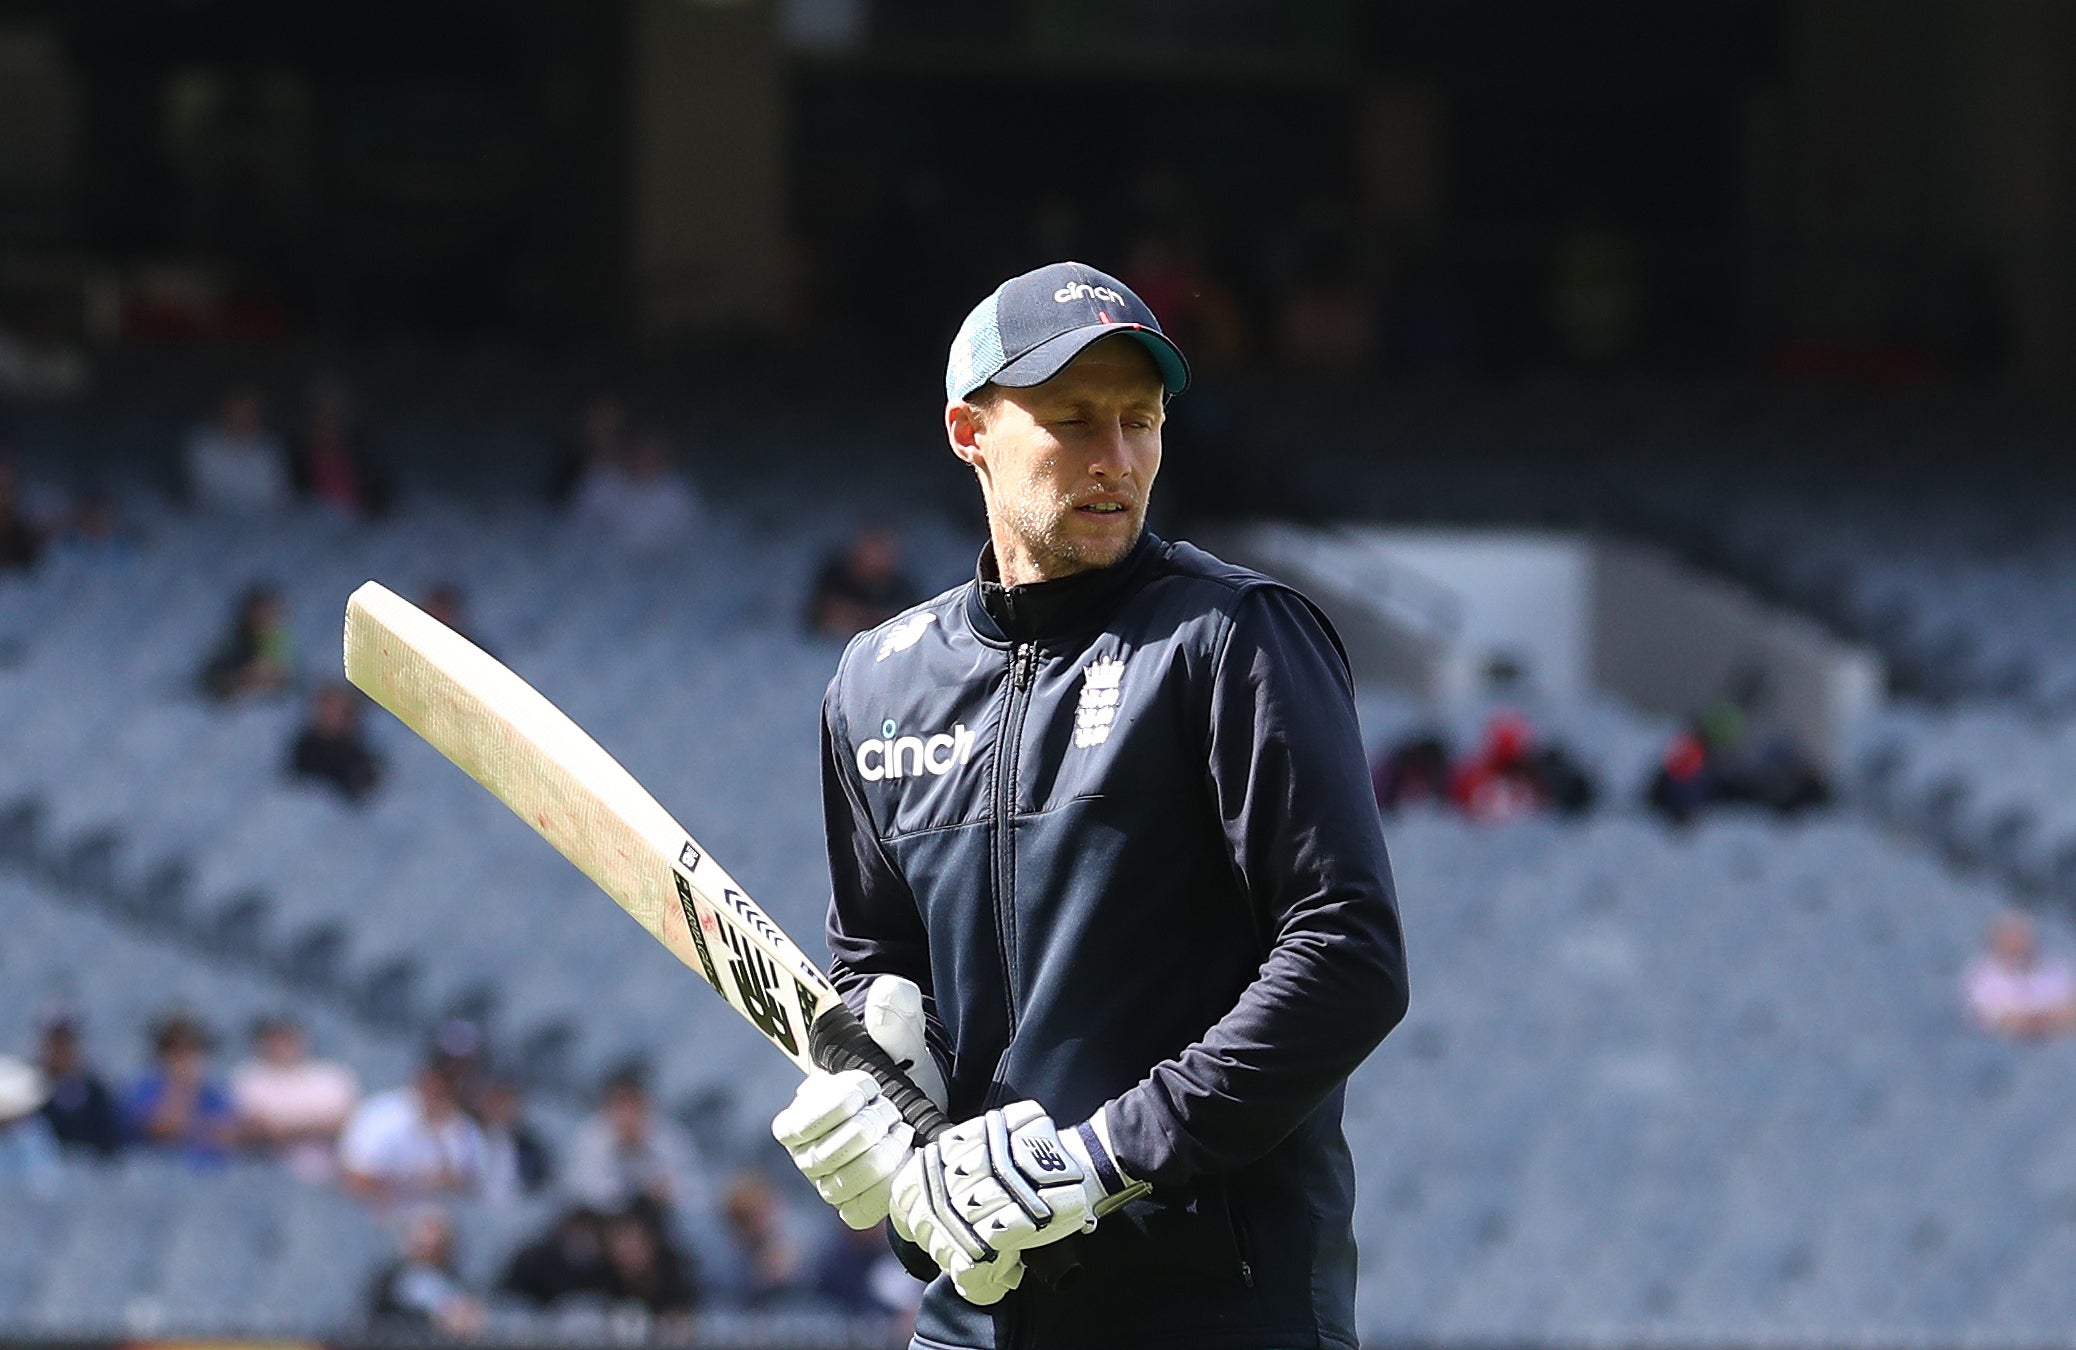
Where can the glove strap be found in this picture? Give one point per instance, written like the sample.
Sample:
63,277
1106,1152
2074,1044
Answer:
1119,1190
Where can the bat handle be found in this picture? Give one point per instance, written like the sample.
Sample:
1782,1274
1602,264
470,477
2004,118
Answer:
838,1041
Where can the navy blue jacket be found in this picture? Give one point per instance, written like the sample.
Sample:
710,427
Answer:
1119,829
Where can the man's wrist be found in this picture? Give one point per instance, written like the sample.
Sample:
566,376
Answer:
1118,1186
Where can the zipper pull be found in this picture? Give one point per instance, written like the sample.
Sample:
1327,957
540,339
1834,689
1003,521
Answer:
1026,664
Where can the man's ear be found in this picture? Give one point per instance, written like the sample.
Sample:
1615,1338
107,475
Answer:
962,429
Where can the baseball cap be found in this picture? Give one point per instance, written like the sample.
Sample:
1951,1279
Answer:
1034,324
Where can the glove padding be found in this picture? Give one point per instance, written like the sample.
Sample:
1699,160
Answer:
842,1132
989,1281
848,1140
1005,1182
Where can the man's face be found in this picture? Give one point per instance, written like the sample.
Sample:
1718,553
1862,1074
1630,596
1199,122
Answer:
627,1112
60,1051
282,1046
1066,466
2013,941
244,414
436,1093
334,712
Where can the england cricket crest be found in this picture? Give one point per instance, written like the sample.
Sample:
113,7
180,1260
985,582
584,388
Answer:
1100,691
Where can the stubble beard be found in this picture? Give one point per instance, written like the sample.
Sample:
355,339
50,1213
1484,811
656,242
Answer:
1040,524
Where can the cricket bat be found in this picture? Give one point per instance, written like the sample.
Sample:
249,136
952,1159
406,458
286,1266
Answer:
501,732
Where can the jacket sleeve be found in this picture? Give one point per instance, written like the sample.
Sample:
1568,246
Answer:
875,927
1288,778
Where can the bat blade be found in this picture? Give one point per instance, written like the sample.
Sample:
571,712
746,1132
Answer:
501,732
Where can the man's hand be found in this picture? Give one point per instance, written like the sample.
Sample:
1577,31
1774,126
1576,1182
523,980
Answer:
1004,1182
842,1132
989,1281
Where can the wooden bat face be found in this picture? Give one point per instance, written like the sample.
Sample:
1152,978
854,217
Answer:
501,732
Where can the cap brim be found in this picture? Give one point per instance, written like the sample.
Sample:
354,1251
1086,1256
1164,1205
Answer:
1051,356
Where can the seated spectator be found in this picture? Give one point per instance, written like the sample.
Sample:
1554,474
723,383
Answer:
21,543
1328,322
289,1105
413,1142
331,749
95,531
567,1259
235,464
861,587
1500,781
81,1110
1685,781
856,1272
421,1293
643,1266
1716,760
332,466
515,1158
178,1105
258,655
642,502
2014,990
444,601
447,602
28,1150
600,444
764,1267
1415,772
1566,785
622,1155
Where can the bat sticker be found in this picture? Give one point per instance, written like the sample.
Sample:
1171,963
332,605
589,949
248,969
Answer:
807,1003
754,917
706,958
689,856
756,979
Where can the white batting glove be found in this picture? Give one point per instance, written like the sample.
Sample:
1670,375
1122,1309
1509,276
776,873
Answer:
990,1281
841,1131
1005,1182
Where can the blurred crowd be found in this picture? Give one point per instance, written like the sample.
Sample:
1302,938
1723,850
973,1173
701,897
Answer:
614,480
639,1218
1516,772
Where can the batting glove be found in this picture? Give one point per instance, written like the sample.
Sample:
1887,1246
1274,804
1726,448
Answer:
1004,1182
990,1281
842,1132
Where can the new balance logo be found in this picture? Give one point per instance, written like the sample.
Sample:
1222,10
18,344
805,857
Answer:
1081,290
1047,1157
903,635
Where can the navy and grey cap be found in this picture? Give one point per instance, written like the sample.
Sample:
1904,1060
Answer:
1033,325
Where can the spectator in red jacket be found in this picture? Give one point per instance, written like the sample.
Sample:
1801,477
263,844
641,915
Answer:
1500,781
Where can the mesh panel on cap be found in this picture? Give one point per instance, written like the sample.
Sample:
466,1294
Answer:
976,353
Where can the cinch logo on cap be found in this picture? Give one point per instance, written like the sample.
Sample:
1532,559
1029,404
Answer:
1081,290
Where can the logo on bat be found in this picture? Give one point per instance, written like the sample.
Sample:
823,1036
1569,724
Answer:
756,979
696,921
753,916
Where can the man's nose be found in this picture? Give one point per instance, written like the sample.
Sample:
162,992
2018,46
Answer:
1107,457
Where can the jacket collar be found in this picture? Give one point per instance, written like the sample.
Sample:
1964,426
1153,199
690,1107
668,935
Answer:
1041,609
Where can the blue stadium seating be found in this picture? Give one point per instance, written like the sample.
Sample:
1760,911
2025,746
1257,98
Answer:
1699,1086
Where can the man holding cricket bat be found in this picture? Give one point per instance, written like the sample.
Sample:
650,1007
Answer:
1108,877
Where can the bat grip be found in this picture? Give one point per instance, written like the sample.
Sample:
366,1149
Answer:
838,1041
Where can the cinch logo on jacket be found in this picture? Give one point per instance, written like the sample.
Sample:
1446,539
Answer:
912,756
